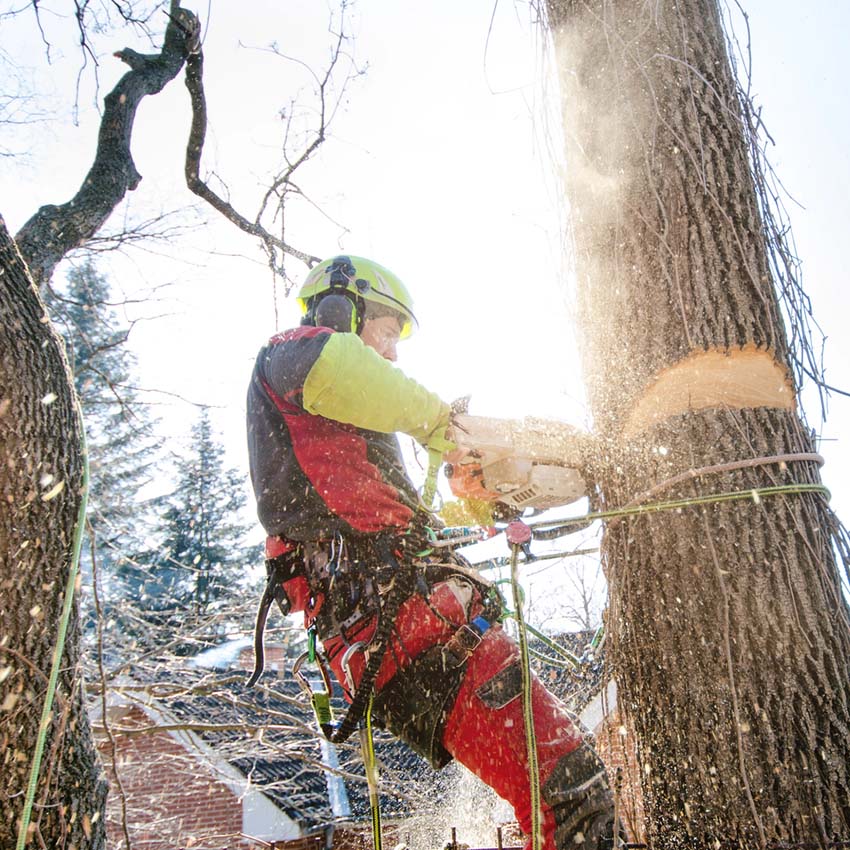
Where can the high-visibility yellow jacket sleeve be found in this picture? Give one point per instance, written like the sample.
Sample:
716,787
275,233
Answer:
350,382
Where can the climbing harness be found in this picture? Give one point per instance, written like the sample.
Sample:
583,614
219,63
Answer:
401,586
357,646
396,704
59,646
311,643
519,535
460,535
279,569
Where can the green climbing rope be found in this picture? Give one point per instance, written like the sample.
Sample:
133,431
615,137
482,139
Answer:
59,646
544,639
370,764
527,704
753,494
429,491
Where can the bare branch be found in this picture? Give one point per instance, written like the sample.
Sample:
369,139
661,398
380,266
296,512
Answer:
55,230
165,227
194,151
282,185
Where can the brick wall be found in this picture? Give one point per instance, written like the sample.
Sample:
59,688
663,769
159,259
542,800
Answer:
172,799
277,658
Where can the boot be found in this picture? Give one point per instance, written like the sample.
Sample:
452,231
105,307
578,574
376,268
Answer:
578,793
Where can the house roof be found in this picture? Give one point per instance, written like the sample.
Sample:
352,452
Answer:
269,734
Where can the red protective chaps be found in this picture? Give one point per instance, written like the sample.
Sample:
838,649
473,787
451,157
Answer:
484,729
489,738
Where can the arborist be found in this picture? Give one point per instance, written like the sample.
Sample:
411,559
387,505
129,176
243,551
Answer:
348,545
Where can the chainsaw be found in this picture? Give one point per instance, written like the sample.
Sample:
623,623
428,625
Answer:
527,463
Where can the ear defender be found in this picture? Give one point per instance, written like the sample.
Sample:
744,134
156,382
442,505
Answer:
343,308
337,312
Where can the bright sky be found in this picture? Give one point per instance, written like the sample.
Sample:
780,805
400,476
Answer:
440,166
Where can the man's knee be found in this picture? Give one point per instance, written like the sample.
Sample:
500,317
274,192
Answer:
415,704
417,700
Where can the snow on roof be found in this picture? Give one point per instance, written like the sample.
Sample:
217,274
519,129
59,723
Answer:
222,656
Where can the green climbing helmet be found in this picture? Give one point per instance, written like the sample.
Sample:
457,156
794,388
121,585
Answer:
365,283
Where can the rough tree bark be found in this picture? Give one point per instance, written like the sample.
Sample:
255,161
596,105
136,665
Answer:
729,629
40,450
40,440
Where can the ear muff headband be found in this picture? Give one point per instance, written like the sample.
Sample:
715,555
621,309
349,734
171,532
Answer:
341,274
343,282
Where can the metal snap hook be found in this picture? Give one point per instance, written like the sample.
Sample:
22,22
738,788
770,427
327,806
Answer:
320,701
346,664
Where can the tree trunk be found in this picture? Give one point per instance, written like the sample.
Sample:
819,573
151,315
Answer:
729,630
40,447
41,476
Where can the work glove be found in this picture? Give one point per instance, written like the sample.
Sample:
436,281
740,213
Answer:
467,512
438,441
461,405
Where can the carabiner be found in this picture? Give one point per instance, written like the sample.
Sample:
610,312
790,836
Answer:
321,702
311,643
346,665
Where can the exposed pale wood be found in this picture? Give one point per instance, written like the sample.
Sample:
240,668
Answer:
737,379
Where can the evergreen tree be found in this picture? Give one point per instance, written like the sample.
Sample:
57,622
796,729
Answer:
202,559
118,426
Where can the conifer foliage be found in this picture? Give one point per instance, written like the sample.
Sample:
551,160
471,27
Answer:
159,558
119,429
201,557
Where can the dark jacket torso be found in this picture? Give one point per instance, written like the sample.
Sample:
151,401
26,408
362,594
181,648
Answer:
312,476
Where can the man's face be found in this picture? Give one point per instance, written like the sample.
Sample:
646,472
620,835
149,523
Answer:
382,334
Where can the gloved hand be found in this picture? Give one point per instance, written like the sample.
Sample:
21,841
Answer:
467,481
467,512
438,441
461,405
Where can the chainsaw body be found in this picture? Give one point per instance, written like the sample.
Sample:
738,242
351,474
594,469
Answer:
527,463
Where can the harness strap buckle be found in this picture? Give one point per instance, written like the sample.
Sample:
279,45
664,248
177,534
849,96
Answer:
460,646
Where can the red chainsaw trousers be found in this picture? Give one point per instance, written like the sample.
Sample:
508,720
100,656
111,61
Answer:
486,735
